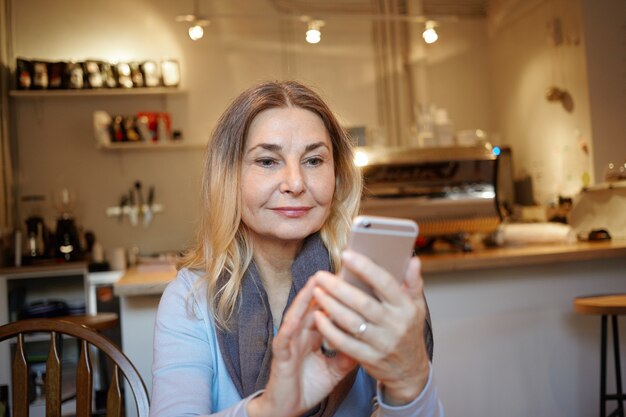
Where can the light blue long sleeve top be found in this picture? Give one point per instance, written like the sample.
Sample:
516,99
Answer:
190,377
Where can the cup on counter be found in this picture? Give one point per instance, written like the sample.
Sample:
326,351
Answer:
117,259
132,256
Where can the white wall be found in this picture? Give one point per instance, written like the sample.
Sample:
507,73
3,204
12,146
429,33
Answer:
605,37
547,140
455,73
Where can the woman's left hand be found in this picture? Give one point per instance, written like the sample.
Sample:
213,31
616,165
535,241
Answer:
301,376
385,335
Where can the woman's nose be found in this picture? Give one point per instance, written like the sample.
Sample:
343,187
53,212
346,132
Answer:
292,181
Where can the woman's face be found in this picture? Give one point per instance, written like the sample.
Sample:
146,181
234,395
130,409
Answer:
288,176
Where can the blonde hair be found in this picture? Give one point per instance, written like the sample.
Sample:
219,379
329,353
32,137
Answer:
222,247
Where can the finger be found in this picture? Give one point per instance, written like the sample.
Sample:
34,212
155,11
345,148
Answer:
352,297
349,345
299,307
385,286
341,315
295,320
413,280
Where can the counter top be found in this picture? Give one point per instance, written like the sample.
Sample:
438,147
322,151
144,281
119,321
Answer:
522,255
48,269
138,282
135,282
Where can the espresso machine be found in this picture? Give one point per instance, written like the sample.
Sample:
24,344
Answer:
450,191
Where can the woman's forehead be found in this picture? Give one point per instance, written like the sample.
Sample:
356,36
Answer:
280,124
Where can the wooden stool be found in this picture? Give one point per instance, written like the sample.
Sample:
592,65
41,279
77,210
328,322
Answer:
606,305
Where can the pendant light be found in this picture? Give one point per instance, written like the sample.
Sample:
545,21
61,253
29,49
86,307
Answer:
313,33
430,34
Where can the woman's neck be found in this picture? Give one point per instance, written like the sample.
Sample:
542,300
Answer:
274,261
275,257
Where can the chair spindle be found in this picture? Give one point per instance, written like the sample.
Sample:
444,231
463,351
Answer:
20,380
114,395
53,379
84,382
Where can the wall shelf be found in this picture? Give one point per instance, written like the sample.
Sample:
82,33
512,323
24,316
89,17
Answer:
101,92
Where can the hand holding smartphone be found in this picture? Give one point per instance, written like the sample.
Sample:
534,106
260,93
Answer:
388,242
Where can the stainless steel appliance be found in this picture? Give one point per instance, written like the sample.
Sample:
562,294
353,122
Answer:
447,190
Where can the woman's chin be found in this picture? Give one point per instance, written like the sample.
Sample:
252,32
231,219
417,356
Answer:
285,236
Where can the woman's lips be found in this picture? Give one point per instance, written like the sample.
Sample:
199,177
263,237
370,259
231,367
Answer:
292,212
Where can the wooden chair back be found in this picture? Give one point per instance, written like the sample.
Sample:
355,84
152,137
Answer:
84,372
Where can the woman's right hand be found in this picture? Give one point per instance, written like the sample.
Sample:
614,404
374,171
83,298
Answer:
300,377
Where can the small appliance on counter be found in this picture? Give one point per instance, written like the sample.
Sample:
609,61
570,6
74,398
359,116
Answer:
36,244
449,191
33,244
37,238
67,243
67,240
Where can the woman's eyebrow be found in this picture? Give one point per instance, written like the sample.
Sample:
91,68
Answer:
315,146
275,148
267,146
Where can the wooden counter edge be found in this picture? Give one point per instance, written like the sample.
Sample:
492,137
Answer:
522,256
135,282
47,270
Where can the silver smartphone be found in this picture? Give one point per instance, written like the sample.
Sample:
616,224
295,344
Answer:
387,241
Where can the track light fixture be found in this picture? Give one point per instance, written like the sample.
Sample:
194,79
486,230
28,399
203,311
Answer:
430,34
196,32
313,33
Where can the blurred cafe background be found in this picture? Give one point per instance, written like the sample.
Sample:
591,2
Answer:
498,125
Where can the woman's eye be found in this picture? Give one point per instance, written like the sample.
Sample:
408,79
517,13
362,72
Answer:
266,162
314,161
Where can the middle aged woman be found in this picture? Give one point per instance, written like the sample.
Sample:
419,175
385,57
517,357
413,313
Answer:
239,331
